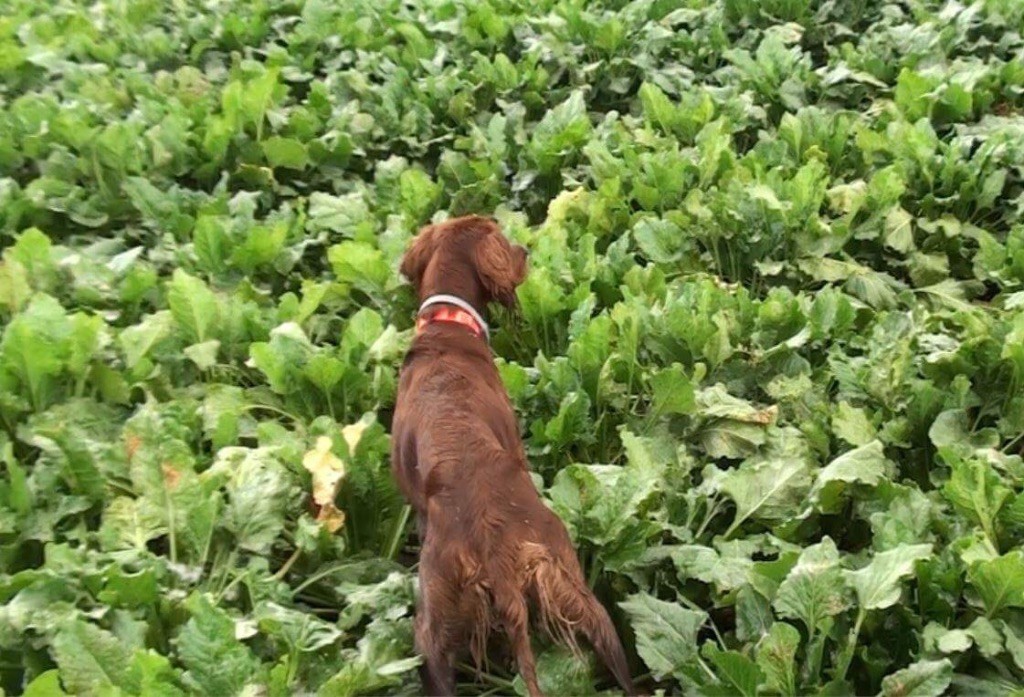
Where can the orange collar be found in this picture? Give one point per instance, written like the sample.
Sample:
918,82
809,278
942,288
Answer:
452,315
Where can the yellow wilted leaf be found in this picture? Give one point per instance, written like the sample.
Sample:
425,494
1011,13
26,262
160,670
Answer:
353,433
327,470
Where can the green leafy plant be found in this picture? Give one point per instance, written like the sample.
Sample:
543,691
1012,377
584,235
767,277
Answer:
767,361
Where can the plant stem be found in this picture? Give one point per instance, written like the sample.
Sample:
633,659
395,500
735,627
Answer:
595,571
317,577
711,512
397,531
847,655
501,683
286,567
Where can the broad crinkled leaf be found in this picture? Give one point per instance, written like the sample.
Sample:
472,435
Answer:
204,355
282,358
976,489
260,247
717,402
866,465
986,637
89,658
673,391
127,525
34,347
725,572
14,285
346,215
999,582
907,521
87,337
259,495
389,598
813,591
753,614
666,633
660,240
563,128
769,490
194,307
921,679
361,265
935,637
877,585
285,152
46,684
560,672
382,657
602,504
152,674
776,656
852,425
138,340
1014,643
736,673
294,628
215,661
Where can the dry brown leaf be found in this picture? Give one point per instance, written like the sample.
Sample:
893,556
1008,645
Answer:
331,517
766,416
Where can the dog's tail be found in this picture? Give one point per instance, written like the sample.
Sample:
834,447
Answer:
569,608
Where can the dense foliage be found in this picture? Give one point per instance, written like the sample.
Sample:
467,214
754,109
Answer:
769,358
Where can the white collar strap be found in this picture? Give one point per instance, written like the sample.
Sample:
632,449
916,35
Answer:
442,299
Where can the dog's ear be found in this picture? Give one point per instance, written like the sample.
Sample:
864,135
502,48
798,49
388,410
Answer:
416,258
500,265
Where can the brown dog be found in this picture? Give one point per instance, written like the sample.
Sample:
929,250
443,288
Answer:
491,549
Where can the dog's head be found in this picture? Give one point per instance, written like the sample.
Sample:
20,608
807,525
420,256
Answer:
468,257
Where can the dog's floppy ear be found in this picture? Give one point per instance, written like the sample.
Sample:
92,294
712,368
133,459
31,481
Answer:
416,258
501,266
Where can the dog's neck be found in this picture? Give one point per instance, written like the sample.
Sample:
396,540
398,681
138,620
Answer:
444,307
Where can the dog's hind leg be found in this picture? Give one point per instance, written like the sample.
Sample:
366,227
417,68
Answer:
438,670
515,616
435,635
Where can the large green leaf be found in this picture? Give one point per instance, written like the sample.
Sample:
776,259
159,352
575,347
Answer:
999,582
737,674
877,585
35,346
259,493
666,633
769,490
976,489
921,679
813,590
776,657
89,658
194,307
769,347
215,661
865,465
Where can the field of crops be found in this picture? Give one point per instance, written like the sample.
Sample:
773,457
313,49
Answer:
769,360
